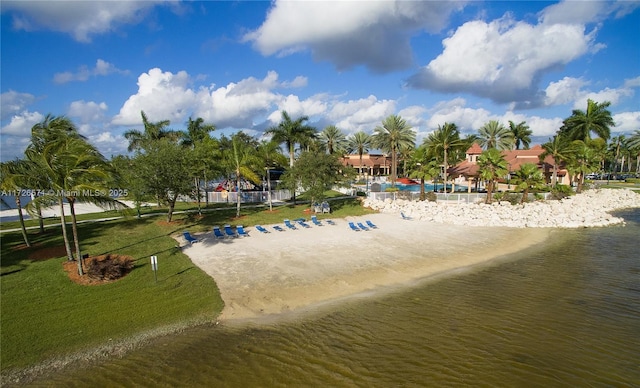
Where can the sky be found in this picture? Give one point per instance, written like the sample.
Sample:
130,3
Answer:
239,64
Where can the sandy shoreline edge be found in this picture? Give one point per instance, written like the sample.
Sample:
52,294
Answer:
266,276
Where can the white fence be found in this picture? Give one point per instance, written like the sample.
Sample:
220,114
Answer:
248,196
414,196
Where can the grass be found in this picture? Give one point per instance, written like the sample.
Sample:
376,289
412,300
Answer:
46,316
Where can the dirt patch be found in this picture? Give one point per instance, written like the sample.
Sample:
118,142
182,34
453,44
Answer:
99,269
47,253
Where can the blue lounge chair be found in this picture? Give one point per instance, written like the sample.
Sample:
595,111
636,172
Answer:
190,239
289,225
361,226
315,221
241,232
371,225
353,227
261,229
330,222
404,217
229,232
278,228
303,224
217,232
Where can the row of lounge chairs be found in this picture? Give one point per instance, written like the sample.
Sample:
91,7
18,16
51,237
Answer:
218,233
293,225
361,227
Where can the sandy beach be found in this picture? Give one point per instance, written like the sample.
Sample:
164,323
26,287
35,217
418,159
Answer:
265,275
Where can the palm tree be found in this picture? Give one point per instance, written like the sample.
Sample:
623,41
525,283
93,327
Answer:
14,176
391,137
559,149
521,134
492,166
495,135
245,162
583,161
333,139
77,172
634,147
444,141
152,131
291,132
423,166
196,133
528,177
596,119
269,153
359,143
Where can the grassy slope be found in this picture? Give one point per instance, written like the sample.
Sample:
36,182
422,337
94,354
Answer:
45,315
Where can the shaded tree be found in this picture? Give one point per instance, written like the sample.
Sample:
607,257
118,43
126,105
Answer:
495,135
291,132
152,131
559,148
333,139
359,143
596,119
528,177
443,143
521,134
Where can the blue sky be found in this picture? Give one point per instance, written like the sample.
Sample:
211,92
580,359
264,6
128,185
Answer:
350,64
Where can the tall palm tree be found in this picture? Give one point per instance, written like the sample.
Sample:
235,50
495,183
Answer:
393,135
14,178
270,155
521,134
423,166
443,142
495,135
152,131
77,172
492,166
559,148
333,139
291,132
528,177
359,143
245,162
196,133
597,119
583,161
634,147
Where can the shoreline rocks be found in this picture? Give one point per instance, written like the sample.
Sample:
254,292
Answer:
591,208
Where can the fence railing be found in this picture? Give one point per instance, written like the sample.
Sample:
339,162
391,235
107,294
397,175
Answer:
248,196
414,196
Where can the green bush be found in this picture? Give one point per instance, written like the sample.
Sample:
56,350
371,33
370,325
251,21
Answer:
431,196
561,191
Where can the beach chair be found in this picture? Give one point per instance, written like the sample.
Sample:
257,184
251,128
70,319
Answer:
241,232
217,232
229,232
190,239
302,223
325,207
278,228
289,225
404,217
353,227
361,226
371,225
330,222
261,229
315,221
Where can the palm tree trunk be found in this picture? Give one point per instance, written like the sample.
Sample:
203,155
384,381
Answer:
445,170
489,191
525,194
40,219
74,229
554,176
269,188
238,194
65,235
22,226
422,193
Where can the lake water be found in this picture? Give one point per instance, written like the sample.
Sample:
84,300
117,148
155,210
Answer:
566,314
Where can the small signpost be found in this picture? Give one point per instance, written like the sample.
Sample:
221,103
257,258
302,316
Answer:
154,267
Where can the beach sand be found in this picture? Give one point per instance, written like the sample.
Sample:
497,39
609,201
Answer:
269,275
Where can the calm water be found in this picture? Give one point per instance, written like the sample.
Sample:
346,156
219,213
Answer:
566,314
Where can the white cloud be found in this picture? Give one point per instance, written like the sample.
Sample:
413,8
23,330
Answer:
350,33
508,57
564,91
607,94
81,19
360,115
626,122
13,102
109,144
88,112
102,68
21,124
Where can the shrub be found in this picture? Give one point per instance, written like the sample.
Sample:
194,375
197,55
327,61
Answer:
109,268
431,196
561,191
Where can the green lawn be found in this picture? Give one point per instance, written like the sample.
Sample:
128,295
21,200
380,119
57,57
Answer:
44,315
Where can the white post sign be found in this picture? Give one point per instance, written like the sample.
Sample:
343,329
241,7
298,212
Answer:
154,266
